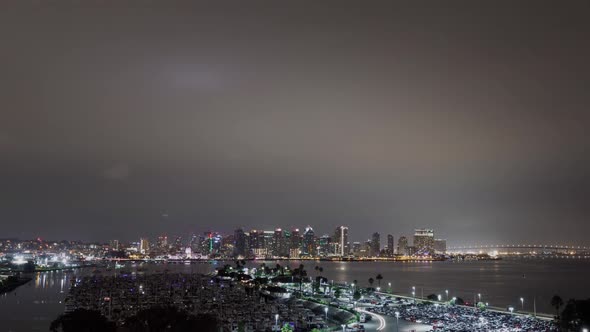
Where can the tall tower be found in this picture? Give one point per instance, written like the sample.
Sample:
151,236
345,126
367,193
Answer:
402,246
309,242
375,244
239,243
341,237
390,244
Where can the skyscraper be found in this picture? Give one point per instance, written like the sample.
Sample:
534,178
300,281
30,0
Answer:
424,240
308,247
269,245
356,248
390,244
402,246
324,245
114,244
239,243
440,246
162,242
295,243
341,237
144,246
375,244
280,247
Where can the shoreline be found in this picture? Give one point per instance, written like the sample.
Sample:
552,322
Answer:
15,285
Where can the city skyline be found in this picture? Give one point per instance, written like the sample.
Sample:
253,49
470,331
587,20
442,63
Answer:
294,166
471,119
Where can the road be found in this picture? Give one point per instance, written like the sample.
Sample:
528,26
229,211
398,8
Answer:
388,323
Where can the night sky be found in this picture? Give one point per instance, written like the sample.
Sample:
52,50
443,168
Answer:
123,119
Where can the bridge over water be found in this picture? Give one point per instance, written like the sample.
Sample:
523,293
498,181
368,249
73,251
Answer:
521,247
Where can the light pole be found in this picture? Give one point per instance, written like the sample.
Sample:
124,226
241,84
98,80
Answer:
389,287
439,297
479,296
522,303
447,291
511,309
277,319
326,310
343,327
397,321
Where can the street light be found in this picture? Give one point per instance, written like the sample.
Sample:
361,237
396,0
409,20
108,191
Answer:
479,296
439,297
397,321
511,309
343,327
447,291
277,319
522,303
326,310
378,289
584,330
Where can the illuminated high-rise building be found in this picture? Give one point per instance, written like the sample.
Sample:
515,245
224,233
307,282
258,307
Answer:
324,245
162,242
375,245
341,237
280,246
402,246
239,243
296,239
308,246
424,240
115,245
144,245
390,245
356,248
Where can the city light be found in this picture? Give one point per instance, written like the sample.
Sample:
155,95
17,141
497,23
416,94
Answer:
19,260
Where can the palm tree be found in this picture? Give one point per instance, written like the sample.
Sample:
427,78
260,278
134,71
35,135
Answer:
556,302
300,272
379,277
371,281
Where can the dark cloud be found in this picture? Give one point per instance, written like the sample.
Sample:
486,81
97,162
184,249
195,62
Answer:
469,118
